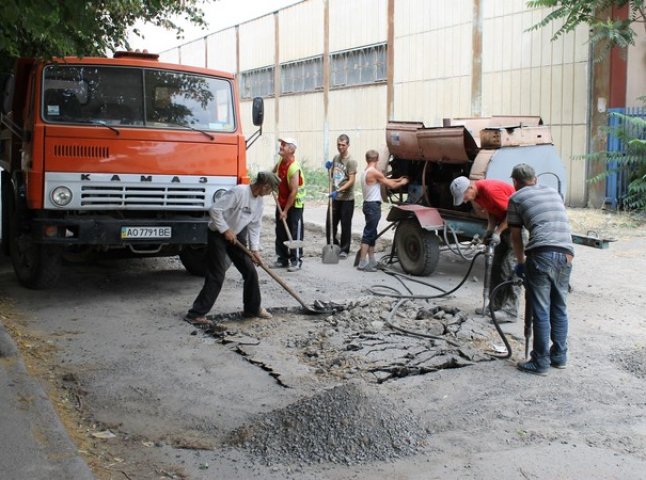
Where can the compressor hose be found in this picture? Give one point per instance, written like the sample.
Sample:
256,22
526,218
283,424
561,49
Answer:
387,291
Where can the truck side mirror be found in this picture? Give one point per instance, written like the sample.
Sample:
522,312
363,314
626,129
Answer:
258,111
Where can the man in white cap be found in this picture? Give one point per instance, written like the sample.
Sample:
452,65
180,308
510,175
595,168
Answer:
493,197
290,199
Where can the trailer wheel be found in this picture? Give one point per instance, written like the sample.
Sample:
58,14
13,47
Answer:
418,250
37,266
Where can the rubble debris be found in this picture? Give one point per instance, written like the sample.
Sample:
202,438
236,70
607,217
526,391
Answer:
344,425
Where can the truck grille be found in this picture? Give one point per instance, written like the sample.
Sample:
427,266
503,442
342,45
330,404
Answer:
138,196
136,191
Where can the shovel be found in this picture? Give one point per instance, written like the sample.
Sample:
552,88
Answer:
330,251
307,308
291,243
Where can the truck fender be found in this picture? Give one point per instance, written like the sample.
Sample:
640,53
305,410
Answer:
429,218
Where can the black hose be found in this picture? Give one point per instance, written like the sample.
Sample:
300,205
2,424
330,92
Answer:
492,295
397,294
398,276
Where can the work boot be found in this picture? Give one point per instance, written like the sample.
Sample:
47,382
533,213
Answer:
531,367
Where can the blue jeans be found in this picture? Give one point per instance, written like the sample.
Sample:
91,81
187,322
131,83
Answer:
548,276
372,212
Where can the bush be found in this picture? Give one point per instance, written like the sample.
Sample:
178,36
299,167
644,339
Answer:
631,160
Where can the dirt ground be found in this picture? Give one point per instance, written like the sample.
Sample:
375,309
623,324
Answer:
340,396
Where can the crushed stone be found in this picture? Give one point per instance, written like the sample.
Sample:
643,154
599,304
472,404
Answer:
343,425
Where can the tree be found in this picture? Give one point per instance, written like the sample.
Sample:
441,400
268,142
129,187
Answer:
48,28
606,32
605,29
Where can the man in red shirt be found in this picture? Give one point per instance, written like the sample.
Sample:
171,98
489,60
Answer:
493,197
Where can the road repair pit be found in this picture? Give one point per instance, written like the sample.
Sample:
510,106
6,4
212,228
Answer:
342,425
373,338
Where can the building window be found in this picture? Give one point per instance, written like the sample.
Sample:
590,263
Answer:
358,67
257,83
302,76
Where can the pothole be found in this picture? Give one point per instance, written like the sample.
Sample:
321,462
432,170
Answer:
367,338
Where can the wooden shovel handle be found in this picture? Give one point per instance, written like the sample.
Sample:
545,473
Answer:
273,275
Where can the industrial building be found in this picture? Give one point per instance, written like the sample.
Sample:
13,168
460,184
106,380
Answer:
326,67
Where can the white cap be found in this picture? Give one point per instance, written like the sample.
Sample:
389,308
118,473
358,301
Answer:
289,140
458,187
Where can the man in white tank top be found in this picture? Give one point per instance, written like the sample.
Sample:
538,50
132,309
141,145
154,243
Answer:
371,180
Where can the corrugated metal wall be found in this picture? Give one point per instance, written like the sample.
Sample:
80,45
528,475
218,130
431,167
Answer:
440,70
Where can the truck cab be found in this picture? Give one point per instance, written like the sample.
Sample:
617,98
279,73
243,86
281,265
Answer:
120,155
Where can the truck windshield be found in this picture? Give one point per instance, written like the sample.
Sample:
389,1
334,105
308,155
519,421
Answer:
129,96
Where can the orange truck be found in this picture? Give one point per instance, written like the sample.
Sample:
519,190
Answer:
120,156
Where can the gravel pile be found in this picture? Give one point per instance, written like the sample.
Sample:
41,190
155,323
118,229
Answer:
342,425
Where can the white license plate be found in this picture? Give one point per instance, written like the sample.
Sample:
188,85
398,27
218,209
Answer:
130,233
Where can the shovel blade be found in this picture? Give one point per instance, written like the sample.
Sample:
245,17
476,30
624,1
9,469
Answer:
331,254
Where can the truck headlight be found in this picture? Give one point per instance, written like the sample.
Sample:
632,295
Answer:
61,196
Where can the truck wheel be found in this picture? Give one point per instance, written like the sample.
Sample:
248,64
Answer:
194,260
37,266
6,204
418,250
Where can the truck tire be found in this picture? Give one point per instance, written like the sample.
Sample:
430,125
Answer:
6,206
418,250
194,260
37,266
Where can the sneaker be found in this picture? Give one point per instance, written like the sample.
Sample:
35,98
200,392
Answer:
560,366
294,268
368,268
373,263
343,254
531,367
278,264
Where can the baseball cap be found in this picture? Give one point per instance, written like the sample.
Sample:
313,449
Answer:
458,187
523,172
289,140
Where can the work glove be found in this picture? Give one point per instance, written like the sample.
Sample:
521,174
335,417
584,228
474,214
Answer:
519,270
494,239
328,164
333,195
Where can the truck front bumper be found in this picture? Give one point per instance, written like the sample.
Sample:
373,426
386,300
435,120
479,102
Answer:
110,232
